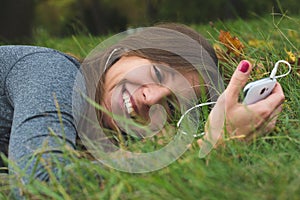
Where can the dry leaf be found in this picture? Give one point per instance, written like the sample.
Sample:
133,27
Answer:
223,57
221,54
233,44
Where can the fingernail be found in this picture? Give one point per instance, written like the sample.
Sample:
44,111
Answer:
244,66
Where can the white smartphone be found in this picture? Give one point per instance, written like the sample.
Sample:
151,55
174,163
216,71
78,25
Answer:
258,90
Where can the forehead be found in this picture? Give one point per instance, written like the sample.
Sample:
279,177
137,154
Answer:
126,64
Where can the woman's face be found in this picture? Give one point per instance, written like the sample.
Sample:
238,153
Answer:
133,84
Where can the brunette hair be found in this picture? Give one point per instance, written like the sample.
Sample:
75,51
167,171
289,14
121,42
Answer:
193,45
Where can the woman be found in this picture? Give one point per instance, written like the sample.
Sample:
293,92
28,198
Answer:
165,65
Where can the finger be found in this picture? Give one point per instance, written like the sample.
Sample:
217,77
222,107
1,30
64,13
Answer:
269,104
237,81
277,111
277,96
277,89
271,122
274,115
271,125
266,127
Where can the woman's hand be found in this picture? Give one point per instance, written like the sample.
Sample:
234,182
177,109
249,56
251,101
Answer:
258,118
240,120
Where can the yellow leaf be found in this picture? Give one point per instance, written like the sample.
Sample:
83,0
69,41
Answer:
293,33
259,43
291,57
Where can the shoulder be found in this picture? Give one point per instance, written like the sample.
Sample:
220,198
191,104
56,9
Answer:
15,53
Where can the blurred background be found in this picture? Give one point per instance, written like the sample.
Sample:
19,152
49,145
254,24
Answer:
21,20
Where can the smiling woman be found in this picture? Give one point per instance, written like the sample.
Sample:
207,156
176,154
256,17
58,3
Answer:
151,67
144,79
133,85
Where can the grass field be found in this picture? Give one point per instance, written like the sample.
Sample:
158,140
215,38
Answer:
267,168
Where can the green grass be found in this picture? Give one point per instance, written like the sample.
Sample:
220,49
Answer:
267,168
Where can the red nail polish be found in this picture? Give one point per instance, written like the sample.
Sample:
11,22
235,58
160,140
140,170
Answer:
244,66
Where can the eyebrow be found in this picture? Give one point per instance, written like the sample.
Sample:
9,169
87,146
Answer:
168,69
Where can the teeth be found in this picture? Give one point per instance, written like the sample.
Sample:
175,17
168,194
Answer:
130,110
128,105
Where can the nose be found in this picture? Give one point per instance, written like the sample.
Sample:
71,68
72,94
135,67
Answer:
153,94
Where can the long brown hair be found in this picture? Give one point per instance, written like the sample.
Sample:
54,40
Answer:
154,44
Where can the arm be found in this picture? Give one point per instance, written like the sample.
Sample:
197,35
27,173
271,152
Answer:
33,85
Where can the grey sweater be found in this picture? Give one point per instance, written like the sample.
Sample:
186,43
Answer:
32,79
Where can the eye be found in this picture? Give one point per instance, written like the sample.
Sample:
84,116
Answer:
158,74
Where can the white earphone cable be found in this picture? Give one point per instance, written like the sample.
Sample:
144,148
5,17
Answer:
196,106
274,71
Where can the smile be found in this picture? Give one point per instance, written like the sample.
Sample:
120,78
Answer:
129,104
